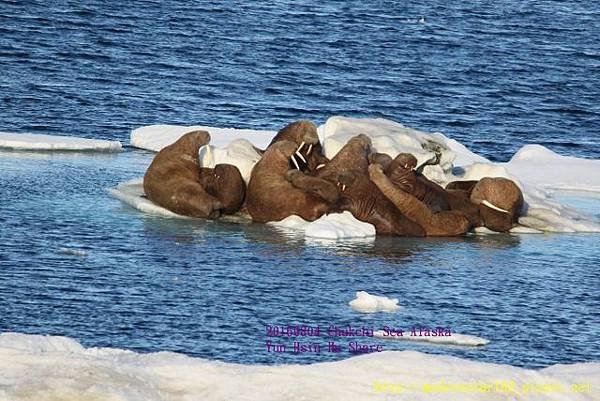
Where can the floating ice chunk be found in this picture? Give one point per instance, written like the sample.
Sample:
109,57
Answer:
72,251
132,193
339,226
56,142
453,339
541,167
156,137
367,303
58,368
293,222
334,226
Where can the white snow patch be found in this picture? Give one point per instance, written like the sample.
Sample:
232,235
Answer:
56,143
541,167
334,226
239,152
339,226
367,303
58,368
389,137
156,137
453,339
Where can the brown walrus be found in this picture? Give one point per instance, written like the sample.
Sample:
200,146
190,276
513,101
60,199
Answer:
497,201
275,191
401,171
309,154
173,182
444,223
225,183
359,196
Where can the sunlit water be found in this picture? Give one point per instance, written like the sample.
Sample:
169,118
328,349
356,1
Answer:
493,75
76,262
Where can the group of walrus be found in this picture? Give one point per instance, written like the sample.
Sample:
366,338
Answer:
293,177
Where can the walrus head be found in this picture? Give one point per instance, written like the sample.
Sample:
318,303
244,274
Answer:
282,153
500,201
353,156
193,141
304,134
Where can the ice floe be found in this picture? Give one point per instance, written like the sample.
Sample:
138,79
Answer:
55,143
537,170
132,193
368,303
57,368
156,137
334,226
452,339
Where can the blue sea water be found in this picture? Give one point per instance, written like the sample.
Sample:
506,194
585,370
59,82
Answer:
493,75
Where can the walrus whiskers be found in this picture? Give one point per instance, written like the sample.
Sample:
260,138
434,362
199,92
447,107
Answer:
490,205
295,162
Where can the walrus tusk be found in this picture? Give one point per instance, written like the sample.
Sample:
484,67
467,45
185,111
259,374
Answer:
300,155
320,166
295,162
488,204
343,187
301,146
309,149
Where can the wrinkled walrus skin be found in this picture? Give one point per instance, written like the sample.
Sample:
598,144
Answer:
275,191
172,180
401,172
441,224
358,195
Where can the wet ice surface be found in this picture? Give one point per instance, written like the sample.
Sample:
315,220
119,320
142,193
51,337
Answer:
208,289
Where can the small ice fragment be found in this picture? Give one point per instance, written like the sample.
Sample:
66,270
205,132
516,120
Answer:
367,303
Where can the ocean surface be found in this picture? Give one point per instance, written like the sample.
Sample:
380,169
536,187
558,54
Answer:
495,76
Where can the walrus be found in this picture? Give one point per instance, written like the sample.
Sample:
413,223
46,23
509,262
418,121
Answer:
358,195
401,172
496,200
225,183
499,200
275,191
173,181
309,154
443,223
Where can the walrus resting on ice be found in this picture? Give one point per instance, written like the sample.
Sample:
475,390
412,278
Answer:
275,191
173,182
358,195
225,183
444,223
498,200
309,154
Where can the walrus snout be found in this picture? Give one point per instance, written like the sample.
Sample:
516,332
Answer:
406,160
345,179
